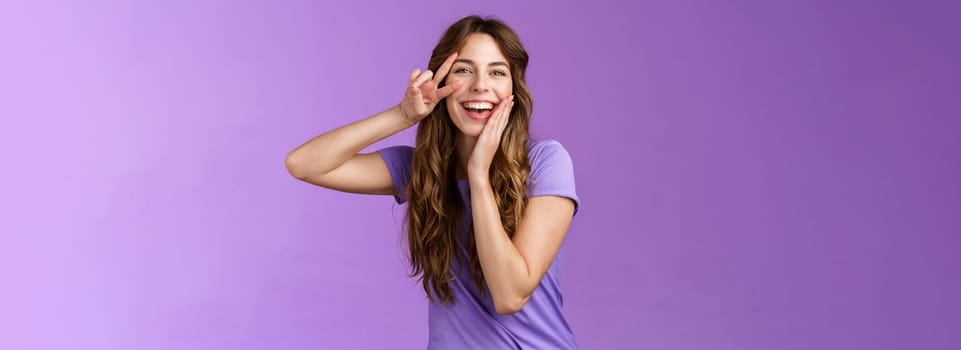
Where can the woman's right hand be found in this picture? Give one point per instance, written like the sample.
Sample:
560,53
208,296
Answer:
422,94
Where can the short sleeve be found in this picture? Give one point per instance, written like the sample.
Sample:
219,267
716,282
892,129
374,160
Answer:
552,171
397,159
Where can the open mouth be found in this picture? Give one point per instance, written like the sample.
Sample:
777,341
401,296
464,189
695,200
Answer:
478,110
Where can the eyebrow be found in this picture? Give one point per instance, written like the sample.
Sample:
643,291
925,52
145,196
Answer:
464,60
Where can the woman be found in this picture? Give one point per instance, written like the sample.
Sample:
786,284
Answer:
488,208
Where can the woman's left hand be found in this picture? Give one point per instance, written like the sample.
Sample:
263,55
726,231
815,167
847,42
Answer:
478,166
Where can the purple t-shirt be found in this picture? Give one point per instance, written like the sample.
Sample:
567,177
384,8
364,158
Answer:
472,323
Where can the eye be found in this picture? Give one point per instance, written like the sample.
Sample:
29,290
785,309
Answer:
499,73
462,70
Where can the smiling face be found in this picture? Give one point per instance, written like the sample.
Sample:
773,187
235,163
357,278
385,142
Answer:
486,78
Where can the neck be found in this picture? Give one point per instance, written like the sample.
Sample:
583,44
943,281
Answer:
464,145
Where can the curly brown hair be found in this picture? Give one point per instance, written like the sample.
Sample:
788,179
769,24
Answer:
435,209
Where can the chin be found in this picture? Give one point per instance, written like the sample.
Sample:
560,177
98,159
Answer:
470,130
472,133
467,126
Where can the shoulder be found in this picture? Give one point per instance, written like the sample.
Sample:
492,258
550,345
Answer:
397,158
544,152
552,170
397,153
544,148
398,162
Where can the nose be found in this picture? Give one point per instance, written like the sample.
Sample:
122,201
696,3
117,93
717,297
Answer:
479,84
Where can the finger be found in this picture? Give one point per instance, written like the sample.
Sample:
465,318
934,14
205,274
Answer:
500,108
415,93
505,105
489,131
501,121
449,89
444,68
506,111
493,124
425,76
413,75
507,115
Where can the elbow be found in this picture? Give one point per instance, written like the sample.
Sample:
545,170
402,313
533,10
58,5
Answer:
510,306
294,166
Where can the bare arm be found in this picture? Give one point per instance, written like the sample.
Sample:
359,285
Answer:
513,267
332,160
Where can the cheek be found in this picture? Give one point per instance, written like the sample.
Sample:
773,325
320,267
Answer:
505,91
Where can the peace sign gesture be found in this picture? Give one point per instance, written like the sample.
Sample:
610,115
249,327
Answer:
422,94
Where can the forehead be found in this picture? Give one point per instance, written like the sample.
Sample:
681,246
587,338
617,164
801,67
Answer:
482,49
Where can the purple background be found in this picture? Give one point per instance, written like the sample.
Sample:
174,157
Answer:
754,175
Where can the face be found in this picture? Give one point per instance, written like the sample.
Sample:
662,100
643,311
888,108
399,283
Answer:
486,77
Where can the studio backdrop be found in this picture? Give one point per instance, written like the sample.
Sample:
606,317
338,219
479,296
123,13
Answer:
752,174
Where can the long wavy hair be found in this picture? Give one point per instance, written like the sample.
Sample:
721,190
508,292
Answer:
435,209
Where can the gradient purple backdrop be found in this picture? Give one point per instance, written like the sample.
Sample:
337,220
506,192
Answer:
754,175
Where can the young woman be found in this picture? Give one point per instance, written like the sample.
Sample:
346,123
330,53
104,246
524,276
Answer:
488,207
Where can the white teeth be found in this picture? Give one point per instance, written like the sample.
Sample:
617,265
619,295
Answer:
478,105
